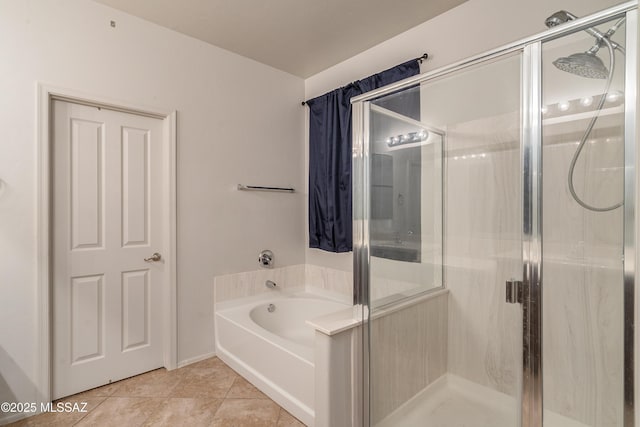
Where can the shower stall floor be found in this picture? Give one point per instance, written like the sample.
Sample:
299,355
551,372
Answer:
452,401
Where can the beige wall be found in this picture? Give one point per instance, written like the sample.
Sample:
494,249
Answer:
238,122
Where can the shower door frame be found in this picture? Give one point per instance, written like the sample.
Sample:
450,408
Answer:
531,168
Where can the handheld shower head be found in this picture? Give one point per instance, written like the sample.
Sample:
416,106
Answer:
584,64
587,64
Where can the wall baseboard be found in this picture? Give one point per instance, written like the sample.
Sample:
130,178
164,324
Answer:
191,360
9,418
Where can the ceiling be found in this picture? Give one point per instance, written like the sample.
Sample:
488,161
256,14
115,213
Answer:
302,37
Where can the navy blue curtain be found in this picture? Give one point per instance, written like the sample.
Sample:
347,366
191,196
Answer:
330,221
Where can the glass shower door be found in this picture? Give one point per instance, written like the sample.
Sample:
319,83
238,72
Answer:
444,229
451,201
583,217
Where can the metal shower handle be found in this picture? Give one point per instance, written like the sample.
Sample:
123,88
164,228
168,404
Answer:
265,259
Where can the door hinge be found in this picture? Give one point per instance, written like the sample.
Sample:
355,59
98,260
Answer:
514,291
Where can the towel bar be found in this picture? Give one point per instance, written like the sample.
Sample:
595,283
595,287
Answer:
262,188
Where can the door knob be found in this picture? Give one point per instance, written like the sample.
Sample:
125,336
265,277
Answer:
155,257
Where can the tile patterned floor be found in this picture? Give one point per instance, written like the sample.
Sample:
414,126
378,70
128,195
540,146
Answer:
207,393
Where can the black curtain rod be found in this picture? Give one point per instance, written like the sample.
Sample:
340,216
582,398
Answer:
420,59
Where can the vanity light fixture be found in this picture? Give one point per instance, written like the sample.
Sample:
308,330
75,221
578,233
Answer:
408,138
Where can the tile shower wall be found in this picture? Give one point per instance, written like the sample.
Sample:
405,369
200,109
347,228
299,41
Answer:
332,283
410,353
582,277
389,277
582,252
483,250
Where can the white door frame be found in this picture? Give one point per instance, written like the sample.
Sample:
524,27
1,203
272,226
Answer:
45,95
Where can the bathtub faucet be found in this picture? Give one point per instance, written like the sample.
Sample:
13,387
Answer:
270,284
265,259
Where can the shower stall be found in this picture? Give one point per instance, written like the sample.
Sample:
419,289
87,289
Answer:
494,234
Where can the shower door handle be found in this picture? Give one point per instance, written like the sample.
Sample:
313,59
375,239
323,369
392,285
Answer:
514,291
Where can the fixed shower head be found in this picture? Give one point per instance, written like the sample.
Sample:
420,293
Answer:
584,64
560,17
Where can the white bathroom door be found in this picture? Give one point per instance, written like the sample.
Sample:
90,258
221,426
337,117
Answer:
107,212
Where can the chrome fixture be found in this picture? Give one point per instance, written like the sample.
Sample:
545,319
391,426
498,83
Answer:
587,64
154,258
271,308
513,291
562,16
265,259
242,187
409,138
583,64
270,284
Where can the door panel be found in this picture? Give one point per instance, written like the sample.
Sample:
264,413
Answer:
87,184
135,309
106,297
135,186
87,318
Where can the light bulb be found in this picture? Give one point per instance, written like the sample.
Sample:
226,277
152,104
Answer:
614,96
586,101
564,106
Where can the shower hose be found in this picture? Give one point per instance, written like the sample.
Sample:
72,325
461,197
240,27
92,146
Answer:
576,155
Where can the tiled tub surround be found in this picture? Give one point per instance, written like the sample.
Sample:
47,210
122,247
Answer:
275,350
329,282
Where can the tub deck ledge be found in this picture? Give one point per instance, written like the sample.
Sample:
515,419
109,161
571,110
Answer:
338,321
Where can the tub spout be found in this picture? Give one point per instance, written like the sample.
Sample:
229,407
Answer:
270,284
